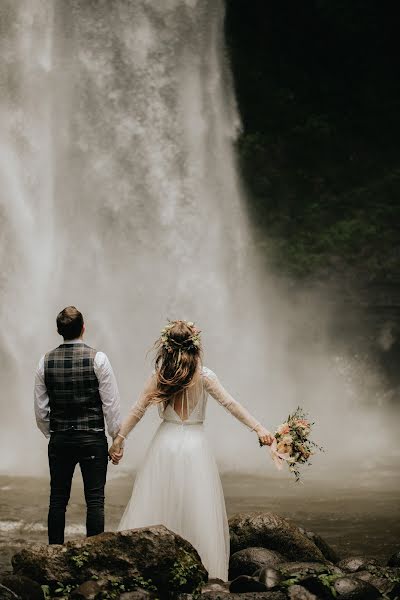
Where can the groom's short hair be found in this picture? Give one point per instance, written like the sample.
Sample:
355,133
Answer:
70,323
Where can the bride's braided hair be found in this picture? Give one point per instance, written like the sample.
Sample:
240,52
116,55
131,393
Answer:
177,359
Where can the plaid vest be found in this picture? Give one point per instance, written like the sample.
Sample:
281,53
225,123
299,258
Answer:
73,388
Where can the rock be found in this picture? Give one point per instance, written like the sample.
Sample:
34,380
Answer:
138,594
356,563
24,587
383,578
248,560
244,596
394,593
269,530
302,569
352,588
215,585
88,590
394,560
270,577
328,552
244,583
7,594
149,552
315,586
298,592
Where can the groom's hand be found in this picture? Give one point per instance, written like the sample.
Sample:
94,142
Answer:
116,456
116,452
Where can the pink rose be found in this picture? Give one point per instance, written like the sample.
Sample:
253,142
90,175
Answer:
283,429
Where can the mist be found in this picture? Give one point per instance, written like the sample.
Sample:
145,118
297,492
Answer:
120,195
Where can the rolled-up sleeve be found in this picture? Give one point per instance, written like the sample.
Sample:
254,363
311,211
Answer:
41,401
109,393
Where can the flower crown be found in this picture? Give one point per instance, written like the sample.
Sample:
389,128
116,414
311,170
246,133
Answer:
190,343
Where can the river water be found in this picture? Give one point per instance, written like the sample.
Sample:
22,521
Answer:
358,518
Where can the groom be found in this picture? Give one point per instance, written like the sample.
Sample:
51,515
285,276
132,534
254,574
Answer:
75,390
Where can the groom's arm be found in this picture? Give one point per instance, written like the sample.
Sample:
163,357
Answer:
109,393
41,401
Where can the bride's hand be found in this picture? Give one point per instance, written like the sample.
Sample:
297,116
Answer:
266,438
116,452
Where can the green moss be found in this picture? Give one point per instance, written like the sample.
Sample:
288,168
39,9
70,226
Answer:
186,575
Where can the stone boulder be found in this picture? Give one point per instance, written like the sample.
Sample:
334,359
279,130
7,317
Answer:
328,552
139,594
270,577
23,587
269,530
352,588
244,583
154,554
305,569
356,563
215,585
385,579
239,596
248,560
298,592
394,560
89,590
7,594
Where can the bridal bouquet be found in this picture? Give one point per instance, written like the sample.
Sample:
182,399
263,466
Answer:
292,444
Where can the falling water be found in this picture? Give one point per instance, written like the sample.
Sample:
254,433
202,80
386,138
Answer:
119,195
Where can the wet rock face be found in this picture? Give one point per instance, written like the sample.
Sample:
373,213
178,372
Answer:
270,577
351,588
303,569
298,592
137,595
385,579
269,530
7,594
356,563
151,553
394,560
23,587
88,590
328,552
238,596
244,583
247,561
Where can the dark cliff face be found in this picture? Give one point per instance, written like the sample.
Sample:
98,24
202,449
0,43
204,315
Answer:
319,95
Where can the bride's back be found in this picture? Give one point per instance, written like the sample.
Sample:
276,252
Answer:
189,406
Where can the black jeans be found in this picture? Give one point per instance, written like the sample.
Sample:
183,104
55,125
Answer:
66,449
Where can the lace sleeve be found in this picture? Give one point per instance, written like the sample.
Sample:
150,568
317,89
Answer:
138,409
220,394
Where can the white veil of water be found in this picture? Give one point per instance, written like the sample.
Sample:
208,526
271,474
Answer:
119,195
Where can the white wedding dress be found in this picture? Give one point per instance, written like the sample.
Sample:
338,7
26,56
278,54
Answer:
178,484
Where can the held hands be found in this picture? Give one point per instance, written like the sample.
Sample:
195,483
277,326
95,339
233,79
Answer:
116,451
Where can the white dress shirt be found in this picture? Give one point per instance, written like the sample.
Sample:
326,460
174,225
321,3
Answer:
108,390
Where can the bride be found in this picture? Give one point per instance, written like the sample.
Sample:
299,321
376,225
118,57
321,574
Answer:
178,484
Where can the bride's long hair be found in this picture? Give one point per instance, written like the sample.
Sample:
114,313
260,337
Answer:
177,360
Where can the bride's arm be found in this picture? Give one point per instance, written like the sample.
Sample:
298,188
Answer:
134,415
221,395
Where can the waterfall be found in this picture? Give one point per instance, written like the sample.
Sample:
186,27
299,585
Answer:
119,194
119,188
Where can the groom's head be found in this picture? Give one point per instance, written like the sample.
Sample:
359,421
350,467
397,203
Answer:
70,323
